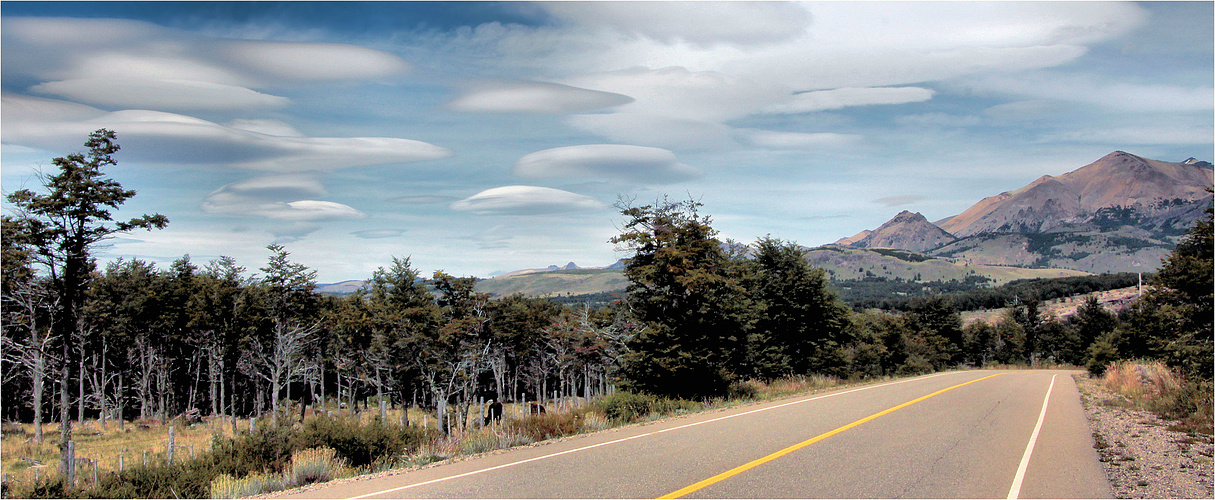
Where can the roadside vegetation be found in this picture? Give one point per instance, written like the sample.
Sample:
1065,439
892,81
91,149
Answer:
422,360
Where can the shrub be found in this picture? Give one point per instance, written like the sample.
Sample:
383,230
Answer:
314,465
624,407
361,445
489,439
225,486
549,425
1153,386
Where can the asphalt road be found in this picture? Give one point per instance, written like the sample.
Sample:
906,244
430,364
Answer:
975,434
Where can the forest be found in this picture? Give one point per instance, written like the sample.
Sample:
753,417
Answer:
140,340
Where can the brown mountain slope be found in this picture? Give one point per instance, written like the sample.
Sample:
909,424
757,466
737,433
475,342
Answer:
906,231
1150,189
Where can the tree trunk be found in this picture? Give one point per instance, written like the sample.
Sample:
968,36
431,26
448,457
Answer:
65,419
80,391
38,374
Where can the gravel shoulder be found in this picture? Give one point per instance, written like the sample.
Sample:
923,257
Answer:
1141,456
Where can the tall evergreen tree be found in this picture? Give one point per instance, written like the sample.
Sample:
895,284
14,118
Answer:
687,292
63,226
801,326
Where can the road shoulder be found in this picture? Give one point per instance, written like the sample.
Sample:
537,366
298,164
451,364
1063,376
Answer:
1141,457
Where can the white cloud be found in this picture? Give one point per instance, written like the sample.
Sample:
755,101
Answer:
526,200
297,61
167,93
1109,95
823,100
131,64
613,161
535,97
376,234
278,198
674,107
263,126
178,139
700,23
797,140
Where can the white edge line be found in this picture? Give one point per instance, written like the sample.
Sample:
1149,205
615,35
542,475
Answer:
1015,491
533,459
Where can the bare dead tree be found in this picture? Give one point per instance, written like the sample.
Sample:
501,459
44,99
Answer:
25,305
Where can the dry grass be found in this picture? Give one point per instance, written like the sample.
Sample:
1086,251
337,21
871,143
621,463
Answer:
1141,382
23,459
1153,386
787,386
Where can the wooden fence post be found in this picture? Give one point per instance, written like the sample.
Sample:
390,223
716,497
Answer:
169,450
71,465
121,459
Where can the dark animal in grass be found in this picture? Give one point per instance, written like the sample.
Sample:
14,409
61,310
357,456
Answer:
495,413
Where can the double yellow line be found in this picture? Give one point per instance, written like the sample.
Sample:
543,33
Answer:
760,461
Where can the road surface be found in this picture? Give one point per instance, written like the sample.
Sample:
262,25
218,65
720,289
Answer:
971,434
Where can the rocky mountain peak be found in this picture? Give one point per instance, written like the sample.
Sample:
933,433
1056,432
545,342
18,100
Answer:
906,231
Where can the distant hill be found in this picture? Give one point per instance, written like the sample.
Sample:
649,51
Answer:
568,267
843,263
554,283
1120,213
341,288
907,231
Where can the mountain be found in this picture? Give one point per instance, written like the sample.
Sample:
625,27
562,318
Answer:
554,283
1121,213
341,288
906,231
854,238
1120,188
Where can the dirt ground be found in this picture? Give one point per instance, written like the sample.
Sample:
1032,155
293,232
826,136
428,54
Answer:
1141,456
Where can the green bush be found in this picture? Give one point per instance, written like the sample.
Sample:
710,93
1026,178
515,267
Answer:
624,407
361,445
550,425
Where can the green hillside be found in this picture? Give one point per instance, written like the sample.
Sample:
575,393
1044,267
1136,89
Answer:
850,264
555,283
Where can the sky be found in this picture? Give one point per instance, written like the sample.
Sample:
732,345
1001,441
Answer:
478,138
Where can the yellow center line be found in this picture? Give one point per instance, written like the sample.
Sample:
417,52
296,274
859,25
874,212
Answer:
760,461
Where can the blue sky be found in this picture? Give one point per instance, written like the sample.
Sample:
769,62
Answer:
484,137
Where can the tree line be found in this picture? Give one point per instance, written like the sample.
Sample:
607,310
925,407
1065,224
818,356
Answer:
699,315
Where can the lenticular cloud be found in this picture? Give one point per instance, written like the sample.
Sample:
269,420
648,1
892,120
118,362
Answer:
613,161
179,139
526,200
535,97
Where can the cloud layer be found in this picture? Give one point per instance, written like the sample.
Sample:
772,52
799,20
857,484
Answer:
535,97
179,139
611,161
130,64
526,200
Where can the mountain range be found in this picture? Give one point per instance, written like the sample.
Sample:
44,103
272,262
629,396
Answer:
1120,213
